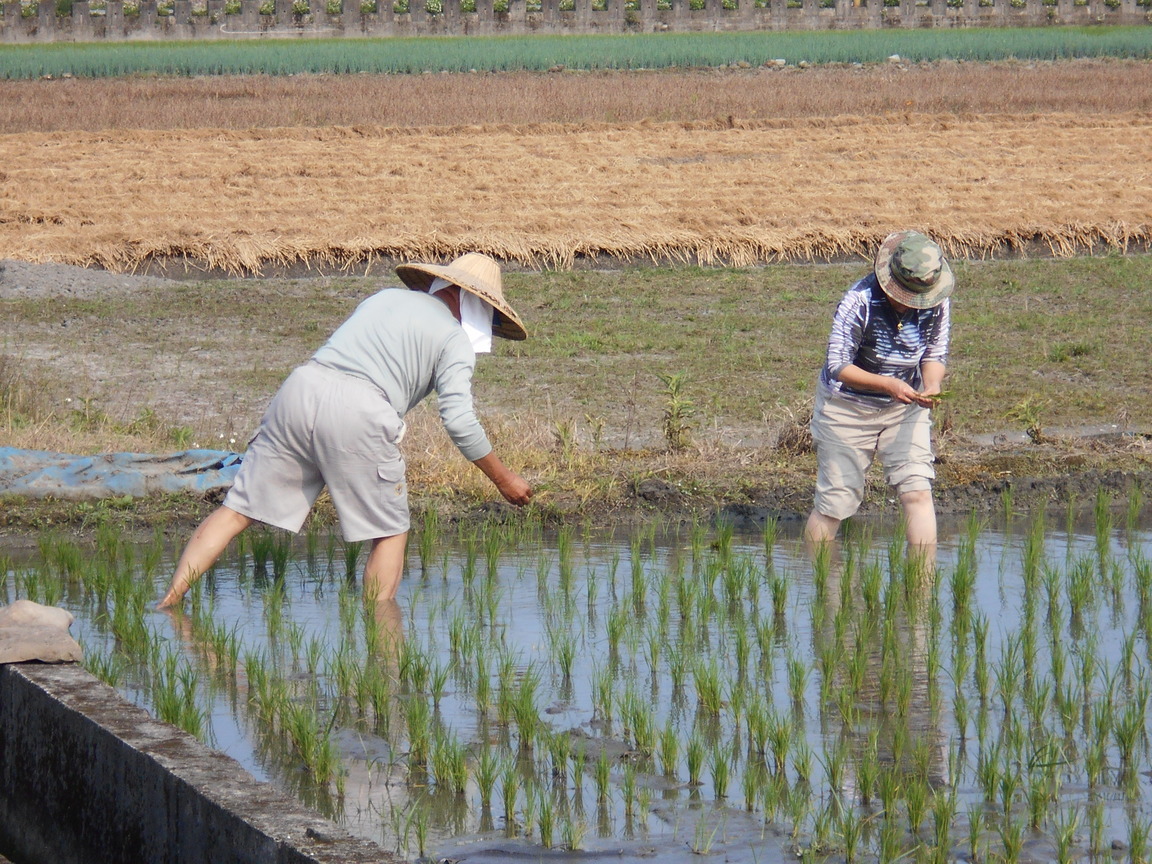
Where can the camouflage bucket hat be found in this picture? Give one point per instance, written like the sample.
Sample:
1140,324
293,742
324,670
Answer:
912,270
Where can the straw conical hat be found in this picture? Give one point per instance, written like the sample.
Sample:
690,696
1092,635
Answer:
477,274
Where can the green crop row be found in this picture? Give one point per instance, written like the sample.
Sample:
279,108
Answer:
506,53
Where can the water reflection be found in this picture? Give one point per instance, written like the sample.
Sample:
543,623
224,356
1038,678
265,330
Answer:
685,688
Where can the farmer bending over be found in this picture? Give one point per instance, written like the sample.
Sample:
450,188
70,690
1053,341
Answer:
337,420
886,361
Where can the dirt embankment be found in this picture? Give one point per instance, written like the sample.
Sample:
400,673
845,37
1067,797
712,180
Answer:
746,481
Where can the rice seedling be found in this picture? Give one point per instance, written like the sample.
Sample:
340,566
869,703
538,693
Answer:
427,536
802,760
891,843
1012,837
602,774
709,688
603,694
438,675
720,771
573,832
1128,732
797,679
509,789
1095,761
779,589
1007,787
628,788
449,764
1095,826
976,827
110,668
487,772
704,836
694,755
494,548
780,734
310,739
559,752
753,780
619,620
915,803
1006,503
420,819
641,723
834,762
669,749
525,707
351,555
418,720
868,770
1135,507
851,834
1102,516
1039,796
1066,821
563,652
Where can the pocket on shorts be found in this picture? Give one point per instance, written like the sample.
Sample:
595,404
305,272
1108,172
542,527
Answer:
392,474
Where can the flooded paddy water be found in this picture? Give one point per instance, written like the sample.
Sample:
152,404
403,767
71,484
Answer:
671,691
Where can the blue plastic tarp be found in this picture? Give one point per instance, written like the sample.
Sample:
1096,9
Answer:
42,474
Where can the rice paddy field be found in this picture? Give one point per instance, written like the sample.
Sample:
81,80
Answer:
711,168
681,691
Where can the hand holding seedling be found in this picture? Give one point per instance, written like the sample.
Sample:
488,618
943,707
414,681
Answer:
931,400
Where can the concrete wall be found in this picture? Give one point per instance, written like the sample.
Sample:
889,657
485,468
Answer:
114,23
85,776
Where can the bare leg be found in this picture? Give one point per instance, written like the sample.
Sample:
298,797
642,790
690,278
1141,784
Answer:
820,530
207,542
389,627
920,519
384,567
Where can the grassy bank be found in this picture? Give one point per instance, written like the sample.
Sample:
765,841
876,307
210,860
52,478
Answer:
697,380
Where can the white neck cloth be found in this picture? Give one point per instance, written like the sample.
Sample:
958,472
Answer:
475,317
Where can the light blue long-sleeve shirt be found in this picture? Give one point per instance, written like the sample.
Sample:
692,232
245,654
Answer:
408,344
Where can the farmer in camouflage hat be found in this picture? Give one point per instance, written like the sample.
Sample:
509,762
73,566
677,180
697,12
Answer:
885,365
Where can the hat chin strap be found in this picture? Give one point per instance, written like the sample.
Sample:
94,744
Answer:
475,317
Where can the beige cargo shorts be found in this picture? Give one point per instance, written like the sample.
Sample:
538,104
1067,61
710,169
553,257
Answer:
324,427
849,435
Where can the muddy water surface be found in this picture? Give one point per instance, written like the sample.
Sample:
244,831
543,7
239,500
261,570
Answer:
675,691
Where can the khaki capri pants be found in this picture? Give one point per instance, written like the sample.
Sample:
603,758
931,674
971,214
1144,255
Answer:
326,427
849,435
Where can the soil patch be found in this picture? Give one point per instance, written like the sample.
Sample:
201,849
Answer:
748,475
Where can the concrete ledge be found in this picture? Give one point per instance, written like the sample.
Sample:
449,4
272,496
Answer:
87,776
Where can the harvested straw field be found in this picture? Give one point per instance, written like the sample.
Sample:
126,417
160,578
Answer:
744,187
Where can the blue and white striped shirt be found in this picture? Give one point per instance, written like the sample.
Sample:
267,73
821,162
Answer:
868,332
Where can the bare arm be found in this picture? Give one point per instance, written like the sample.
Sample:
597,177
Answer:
511,485
859,379
931,372
932,375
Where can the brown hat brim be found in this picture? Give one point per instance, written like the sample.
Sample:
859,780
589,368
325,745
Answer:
891,286
505,322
